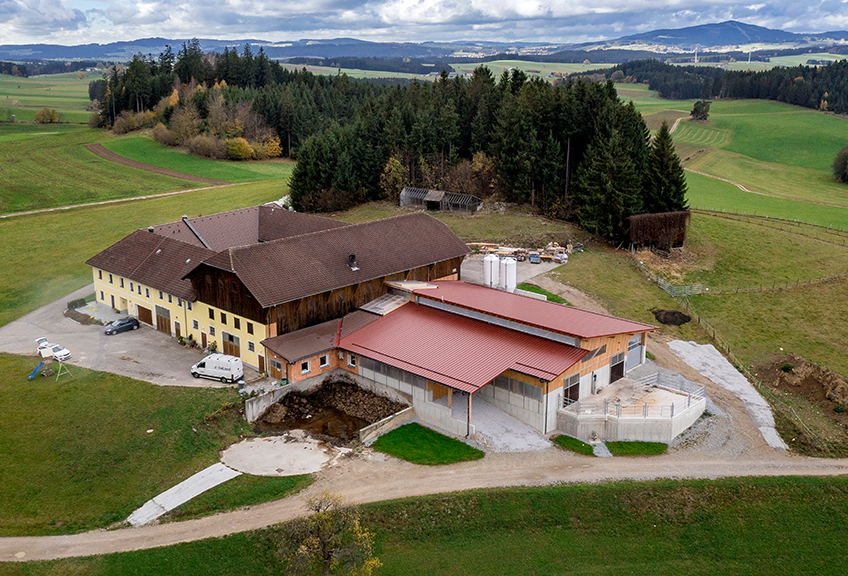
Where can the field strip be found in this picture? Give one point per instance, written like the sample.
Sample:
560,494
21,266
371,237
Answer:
101,151
115,201
741,187
676,123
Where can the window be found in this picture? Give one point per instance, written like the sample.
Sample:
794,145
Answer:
100,274
250,327
211,314
188,305
234,286
161,295
236,323
208,280
324,361
121,280
250,346
276,364
132,287
102,296
596,352
110,278
195,325
223,318
139,289
351,360
179,302
147,292
304,367
211,330
170,300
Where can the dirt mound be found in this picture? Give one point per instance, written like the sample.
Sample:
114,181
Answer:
670,317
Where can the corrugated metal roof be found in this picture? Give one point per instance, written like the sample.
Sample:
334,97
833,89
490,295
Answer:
456,351
548,315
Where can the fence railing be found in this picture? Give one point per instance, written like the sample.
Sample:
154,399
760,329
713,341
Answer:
630,409
678,291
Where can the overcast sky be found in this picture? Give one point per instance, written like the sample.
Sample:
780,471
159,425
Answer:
73,22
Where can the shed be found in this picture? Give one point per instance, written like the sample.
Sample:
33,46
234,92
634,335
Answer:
440,200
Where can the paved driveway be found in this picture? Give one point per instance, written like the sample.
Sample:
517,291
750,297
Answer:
144,354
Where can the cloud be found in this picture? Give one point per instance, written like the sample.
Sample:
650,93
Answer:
560,21
37,17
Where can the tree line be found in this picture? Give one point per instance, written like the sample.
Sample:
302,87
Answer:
573,150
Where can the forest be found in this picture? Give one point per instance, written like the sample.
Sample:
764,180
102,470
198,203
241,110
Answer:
572,150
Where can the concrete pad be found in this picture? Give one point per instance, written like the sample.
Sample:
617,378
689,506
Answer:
709,362
181,493
293,453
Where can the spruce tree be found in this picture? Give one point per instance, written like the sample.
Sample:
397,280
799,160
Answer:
666,186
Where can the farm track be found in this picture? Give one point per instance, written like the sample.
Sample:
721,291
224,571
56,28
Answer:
101,151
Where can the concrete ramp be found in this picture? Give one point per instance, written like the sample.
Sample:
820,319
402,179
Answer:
181,493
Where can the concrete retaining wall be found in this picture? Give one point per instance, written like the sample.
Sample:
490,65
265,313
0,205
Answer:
386,424
611,428
529,411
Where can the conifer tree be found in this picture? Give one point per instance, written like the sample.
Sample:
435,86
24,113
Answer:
666,183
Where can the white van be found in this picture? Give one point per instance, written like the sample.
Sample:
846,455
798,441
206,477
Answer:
219,367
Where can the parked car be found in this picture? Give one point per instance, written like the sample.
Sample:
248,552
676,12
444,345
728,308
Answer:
42,343
121,325
60,353
219,367
534,258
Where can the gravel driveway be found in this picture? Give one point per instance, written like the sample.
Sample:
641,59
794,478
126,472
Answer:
144,354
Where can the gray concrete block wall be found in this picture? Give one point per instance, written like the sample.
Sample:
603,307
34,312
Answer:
386,424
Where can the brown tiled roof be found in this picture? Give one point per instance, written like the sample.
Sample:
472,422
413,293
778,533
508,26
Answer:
244,227
291,268
310,341
154,260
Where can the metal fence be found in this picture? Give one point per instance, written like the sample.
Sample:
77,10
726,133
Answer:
694,392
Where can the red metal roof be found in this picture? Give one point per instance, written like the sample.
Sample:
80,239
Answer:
456,351
548,315
300,344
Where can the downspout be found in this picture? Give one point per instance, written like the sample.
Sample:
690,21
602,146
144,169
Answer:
468,423
545,428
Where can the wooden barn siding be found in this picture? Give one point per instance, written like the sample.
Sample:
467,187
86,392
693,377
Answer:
239,302
313,310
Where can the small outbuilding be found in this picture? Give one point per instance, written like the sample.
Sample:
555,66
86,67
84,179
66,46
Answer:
663,231
440,200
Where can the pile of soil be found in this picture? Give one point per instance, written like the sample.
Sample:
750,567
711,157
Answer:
670,317
338,409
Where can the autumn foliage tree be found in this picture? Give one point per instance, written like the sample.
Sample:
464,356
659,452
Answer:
330,539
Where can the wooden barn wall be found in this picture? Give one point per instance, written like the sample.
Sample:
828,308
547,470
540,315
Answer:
312,310
224,290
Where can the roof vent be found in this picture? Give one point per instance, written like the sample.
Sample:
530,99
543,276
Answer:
159,251
185,216
189,260
351,261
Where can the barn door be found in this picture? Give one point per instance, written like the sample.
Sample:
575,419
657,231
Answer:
617,367
163,320
145,315
231,344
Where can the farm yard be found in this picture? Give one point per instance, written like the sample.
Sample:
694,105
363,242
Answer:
701,527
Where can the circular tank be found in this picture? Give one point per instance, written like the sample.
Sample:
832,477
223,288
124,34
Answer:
490,270
509,273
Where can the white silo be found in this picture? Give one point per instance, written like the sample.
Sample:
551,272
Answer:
490,271
509,274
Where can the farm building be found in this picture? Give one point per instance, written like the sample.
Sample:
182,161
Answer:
439,345
440,200
240,277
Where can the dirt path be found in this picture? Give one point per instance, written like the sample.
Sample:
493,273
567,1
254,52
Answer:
724,445
101,151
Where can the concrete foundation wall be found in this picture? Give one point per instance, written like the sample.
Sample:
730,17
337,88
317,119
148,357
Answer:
610,428
386,424
529,411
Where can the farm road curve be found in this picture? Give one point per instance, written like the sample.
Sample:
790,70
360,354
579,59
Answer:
101,151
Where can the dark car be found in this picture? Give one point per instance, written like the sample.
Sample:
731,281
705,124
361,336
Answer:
121,325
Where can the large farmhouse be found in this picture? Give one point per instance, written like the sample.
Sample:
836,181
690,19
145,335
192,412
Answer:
240,277
301,298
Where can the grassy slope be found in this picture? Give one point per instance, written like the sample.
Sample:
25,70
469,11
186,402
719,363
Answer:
146,150
64,92
420,445
56,170
737,526
77,454
43,275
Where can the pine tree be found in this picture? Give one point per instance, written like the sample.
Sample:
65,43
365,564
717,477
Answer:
666,186
607,188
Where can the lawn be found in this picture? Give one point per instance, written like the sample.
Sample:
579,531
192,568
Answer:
63,92
44,275
573,445
86,451
148,151
55,169
636,448
419,445
784,525
550,296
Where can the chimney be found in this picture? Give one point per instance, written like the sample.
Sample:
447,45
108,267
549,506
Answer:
150,229
351,261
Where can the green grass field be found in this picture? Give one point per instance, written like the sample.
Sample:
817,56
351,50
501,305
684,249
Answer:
419,445
64,92
77,454
768,526
148,151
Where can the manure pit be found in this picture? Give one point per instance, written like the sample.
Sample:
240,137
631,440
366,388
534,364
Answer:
336,409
